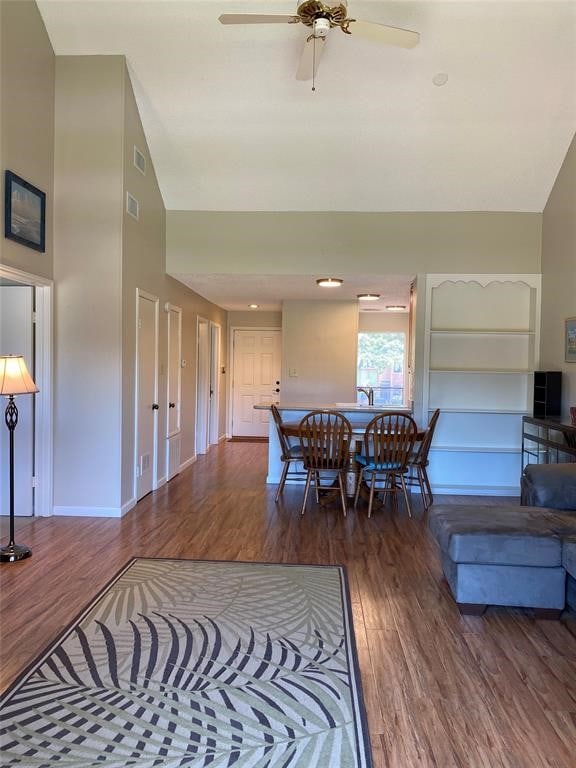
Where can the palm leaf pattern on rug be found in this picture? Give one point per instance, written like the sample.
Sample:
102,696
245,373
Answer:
169,687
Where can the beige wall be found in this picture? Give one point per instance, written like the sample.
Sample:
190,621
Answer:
559,276
103,256
382,322
373,243
26,120
255,319
319,341
87,273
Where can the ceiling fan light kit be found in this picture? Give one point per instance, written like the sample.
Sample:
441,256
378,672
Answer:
322,18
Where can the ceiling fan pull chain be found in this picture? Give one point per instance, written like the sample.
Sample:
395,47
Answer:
313,62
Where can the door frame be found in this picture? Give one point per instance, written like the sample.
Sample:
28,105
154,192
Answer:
150,297
168,308
215,333
230,383
202,425
43,419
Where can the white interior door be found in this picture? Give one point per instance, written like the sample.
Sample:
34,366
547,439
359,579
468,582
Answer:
256,379
174,391
214,383
146,394
203,387
17,338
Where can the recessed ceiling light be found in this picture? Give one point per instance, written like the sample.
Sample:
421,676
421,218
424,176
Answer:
253,306
368,296
329,282
396,307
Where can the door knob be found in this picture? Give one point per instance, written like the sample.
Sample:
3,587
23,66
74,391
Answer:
171,405
155,406
277,389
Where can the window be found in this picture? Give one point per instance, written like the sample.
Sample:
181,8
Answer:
381,365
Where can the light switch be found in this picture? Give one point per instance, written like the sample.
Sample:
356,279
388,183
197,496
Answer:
292,372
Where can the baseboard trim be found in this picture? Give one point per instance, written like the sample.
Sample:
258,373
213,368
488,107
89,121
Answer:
90,511
127,506
476,490
187,463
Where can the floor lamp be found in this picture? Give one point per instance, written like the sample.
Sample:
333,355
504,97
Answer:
14,380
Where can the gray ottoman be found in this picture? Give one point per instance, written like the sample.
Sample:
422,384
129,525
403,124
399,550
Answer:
569,563
549,485
509,556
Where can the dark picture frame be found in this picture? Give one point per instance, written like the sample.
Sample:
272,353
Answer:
24,212
570,340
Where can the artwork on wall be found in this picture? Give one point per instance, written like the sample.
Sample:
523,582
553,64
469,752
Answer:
570,350
24,212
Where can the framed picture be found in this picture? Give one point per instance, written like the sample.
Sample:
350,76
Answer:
570,351
24,212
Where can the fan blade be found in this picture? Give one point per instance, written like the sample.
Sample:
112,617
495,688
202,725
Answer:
257,18
381,33
310,58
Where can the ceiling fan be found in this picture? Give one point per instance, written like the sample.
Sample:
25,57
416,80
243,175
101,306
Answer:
322,18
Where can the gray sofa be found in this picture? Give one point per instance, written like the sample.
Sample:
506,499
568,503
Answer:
515,556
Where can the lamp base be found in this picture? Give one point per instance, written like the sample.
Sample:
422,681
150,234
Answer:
14,552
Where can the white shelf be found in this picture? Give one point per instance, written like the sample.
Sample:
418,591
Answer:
475,449
482,370
483,331
496,412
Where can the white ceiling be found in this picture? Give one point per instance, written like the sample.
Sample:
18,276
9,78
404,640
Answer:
240,291
230,128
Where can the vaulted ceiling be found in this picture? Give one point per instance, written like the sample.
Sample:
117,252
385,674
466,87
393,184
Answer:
230,128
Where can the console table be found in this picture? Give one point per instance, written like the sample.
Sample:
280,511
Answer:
547,441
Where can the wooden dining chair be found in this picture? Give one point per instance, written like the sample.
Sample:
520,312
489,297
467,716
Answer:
289,454
325,437
418,462
386,447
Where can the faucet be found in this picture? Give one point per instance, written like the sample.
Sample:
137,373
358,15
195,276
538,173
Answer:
369,392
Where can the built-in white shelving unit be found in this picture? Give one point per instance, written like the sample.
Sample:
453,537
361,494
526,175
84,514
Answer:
481,349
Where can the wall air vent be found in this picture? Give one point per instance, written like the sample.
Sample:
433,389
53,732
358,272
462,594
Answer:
139,161
132,206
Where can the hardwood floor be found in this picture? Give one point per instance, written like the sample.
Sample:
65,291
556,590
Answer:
440,689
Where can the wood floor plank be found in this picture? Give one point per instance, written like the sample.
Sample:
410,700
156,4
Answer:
441,690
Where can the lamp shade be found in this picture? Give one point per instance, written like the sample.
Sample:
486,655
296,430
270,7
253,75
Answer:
14,376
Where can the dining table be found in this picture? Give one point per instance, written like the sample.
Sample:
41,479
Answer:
358,415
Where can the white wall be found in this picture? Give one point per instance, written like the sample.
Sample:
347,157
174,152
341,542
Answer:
319,342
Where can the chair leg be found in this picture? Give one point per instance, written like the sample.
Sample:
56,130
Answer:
359,484
342,484
423,493
282,481
406,499
372,485
428,486
306,489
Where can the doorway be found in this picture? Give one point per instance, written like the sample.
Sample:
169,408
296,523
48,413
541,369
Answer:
26,328
256,362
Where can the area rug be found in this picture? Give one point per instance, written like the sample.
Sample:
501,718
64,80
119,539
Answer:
197,663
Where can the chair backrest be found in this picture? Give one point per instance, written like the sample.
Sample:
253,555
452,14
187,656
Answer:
325,438
421,457
282,439
389,439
